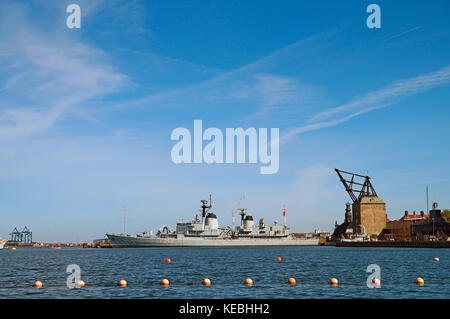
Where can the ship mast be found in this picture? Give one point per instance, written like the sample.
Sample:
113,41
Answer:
242,213
205,207
124,218
232,219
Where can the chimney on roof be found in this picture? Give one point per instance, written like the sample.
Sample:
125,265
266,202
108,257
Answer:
406,213
421,213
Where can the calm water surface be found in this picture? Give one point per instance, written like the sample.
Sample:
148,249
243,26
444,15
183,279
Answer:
143,268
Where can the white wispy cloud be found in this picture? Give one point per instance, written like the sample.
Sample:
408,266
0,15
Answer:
43,78
391,92
403,33
279,97
258,88
371,101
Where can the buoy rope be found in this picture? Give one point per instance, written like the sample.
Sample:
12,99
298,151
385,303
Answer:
215,283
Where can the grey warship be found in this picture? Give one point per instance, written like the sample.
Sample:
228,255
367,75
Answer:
205,232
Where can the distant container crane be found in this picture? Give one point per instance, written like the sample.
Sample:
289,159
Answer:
24,236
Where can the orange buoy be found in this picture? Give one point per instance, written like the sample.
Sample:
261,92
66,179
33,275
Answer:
292,281
38,284
206,282
168,260
122,283
334,282
419,281
436,259
81,283
376,281
165,282
248,282
279,258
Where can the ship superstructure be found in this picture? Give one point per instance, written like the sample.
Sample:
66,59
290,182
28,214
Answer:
204,231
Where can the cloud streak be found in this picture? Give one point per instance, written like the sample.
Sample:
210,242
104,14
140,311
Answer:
44,79
403,33
257,83
372,101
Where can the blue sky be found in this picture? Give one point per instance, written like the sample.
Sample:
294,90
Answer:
86,114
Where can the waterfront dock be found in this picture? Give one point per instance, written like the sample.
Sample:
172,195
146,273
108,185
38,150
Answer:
392,243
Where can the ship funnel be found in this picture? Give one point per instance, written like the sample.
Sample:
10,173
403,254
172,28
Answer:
211,221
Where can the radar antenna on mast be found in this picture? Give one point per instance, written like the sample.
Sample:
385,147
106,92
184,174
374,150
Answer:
205,207
349,184
242,213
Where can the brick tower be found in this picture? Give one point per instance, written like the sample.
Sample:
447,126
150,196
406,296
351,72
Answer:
368,210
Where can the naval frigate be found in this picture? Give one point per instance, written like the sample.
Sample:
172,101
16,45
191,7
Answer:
204,231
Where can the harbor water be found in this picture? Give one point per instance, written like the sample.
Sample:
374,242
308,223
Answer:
227,268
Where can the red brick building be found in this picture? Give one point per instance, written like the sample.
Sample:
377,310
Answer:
401,229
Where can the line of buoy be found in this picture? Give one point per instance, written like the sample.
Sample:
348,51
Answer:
248,281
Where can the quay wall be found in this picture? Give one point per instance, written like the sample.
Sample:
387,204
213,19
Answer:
390,243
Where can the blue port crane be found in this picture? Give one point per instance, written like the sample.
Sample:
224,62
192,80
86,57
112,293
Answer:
24,236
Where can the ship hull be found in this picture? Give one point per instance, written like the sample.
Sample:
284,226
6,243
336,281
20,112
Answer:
2,242
132,241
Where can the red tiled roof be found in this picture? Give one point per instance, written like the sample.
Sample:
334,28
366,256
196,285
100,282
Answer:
414,216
